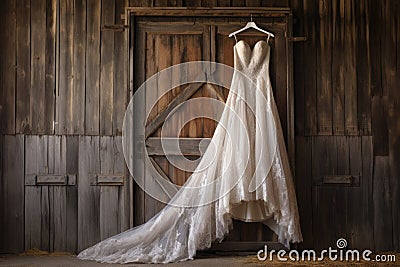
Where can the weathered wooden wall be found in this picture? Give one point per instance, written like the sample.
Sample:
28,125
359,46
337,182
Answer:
61,75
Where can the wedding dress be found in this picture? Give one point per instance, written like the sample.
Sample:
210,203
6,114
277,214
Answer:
248,157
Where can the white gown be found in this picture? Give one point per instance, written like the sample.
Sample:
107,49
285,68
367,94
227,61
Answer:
260,178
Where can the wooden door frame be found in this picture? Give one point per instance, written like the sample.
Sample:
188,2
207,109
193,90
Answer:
266,12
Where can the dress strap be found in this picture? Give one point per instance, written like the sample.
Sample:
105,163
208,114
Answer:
235,38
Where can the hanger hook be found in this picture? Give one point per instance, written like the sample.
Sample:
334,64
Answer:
251,17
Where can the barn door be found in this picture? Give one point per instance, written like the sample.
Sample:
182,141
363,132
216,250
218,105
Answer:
161,45
160,42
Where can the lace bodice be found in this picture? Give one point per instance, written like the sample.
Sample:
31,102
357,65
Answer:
254,61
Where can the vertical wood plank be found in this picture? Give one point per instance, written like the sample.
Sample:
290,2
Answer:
38,49
324,70
66,100
12,198
79,70
338,67
357,218
394,143
23,86
72,156
107,68
363,62
58,207
222,3
366,239
45,217
304,185
124,192
253,3
279,55
351,118
310,78
88,195
36,152
50,66
238,3
109,197
299,61
141,3
383,225
7,67
92,111
120,96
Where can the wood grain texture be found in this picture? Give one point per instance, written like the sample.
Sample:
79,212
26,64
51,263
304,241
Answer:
7,67
50,66
304,188
107,68
120,93
324,70
338,67
72,159
23,120
299,59
12,198
383,224
351,118
88,195
38,49
310,121
79,70
67,100
363,61
92,100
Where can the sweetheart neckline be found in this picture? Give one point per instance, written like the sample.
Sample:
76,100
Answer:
247,44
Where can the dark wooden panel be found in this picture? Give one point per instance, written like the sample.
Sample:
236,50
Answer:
12,194
329,208
71,158
310,66
299,54
394,143
7,67
364,239
358,209
383,224
324,70
338,67
23,121
351,118
304,188
363,61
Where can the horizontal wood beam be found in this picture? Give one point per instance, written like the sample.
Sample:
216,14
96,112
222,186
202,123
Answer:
188,146
206,12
